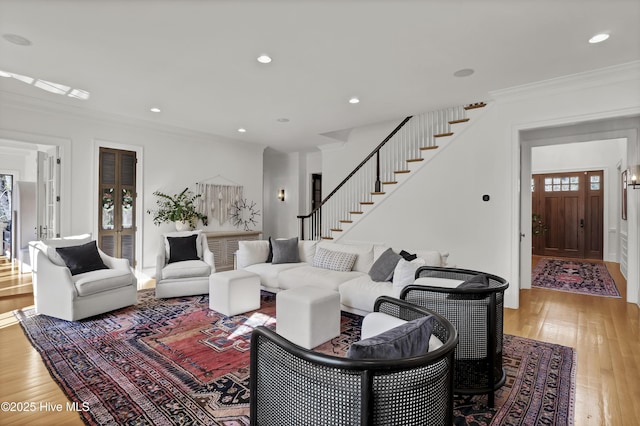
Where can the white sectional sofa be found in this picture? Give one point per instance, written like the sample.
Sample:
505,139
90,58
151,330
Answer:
317,264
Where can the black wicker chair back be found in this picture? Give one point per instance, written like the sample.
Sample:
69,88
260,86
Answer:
291,385
477,314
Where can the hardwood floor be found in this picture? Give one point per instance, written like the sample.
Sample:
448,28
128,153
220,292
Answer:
604,332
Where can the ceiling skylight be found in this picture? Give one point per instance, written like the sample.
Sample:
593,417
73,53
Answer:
49,86
79,94
58,89
23,78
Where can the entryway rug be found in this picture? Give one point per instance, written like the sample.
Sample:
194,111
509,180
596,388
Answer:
574,276
174,361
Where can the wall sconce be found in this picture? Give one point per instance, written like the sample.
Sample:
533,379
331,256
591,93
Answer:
281,194
633,176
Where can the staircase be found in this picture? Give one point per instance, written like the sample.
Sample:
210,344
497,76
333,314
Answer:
409,147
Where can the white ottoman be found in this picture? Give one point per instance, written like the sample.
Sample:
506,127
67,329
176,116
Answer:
234,292
308,316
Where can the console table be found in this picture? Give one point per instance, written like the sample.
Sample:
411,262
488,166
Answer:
224,244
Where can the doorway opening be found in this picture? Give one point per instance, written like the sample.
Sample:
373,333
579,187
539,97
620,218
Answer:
601,144
316,190
316,201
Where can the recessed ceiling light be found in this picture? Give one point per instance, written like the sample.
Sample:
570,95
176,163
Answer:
598,38
5,74
282,120
354,100
155,109
17,39
264,59
466,72
242,130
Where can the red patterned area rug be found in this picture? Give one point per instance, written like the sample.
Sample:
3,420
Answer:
574,276
174,361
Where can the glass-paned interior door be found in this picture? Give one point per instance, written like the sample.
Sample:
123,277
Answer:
48,194
116,234
6,189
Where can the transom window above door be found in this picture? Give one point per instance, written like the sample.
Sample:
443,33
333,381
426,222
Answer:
563,183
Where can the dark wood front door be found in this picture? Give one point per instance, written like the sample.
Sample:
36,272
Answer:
570,209
117,206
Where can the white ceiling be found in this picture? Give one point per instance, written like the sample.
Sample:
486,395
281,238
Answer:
196,59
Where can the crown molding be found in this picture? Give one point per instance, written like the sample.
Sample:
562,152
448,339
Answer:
28,103
614,74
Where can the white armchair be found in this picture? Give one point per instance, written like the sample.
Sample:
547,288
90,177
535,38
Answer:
60,293
181,268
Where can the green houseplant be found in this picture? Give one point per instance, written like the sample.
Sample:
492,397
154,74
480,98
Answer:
177,208
538,227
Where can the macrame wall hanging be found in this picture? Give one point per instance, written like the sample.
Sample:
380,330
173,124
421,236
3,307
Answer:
217,200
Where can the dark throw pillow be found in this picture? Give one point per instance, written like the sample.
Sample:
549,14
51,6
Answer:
404,341
82,258
480,281
182,248
477,281
408,256
285,251
382,269
270,255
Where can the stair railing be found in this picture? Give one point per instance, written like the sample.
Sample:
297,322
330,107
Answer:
380,167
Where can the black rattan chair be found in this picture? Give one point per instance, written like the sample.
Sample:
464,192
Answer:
291,385
477,314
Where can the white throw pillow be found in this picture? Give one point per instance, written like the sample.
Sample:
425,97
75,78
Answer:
334,260
438,282
307,250
252,252
364,252
405,273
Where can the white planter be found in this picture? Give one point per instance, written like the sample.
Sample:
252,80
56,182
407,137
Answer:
183,226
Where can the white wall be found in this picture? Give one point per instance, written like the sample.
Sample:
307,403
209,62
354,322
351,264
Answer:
291,172
339,159
172,159
593,155
18,161
282,171
442,206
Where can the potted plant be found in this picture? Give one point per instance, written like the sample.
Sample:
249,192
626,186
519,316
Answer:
179,209
538,227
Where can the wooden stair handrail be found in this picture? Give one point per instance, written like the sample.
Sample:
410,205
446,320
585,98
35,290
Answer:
378,184
367,158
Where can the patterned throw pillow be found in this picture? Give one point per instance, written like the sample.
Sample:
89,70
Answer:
334,260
